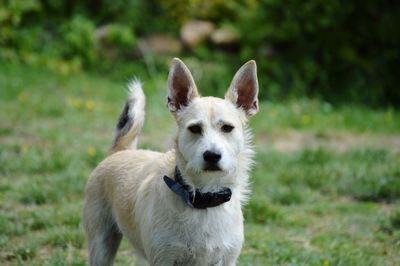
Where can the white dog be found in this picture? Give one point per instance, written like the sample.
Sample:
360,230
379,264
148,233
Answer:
182,207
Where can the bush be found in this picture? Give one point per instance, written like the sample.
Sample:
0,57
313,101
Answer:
336,50
62,34
339,50
80,39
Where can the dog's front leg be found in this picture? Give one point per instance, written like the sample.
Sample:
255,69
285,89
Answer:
230,259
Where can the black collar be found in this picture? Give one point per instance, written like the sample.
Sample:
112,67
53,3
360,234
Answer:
196,199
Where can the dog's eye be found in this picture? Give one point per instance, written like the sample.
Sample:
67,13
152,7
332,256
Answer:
227,128
195,129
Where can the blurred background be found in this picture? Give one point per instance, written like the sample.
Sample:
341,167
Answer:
326,182
335,50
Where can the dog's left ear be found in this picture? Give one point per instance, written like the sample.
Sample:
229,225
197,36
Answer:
243,91
181,86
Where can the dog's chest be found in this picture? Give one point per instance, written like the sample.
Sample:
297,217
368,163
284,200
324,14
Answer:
205,237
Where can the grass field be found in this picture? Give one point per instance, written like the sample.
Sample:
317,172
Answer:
326,185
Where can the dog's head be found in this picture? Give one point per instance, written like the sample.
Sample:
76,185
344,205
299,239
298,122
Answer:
211,131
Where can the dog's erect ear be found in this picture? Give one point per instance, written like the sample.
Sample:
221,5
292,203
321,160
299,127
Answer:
181,86
243,91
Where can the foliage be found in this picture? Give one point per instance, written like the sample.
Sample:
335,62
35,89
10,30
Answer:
335,50
62,34
79,37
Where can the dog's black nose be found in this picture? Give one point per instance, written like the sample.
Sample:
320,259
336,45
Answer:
212,157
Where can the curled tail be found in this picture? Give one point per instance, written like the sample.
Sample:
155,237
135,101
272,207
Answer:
131,119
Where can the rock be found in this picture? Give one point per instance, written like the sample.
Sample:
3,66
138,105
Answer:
195,32
225,36
102,32
161,44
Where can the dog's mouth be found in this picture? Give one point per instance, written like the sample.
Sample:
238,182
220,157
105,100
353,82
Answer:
212,168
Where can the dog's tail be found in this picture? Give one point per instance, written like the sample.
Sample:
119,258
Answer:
131,119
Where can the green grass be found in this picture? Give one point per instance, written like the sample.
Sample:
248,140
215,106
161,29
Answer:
326,184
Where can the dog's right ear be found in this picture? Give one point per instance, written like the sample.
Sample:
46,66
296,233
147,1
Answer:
181,86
